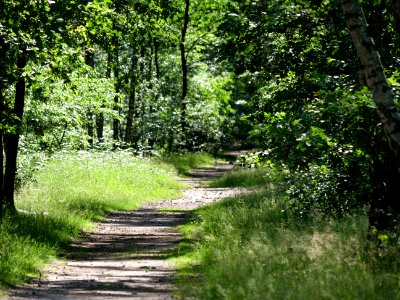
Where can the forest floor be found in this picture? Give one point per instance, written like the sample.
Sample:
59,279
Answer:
126,255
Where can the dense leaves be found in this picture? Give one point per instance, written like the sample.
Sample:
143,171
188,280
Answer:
281,76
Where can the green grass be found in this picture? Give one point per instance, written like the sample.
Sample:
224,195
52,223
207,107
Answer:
186,161
71,192
243,177
253,247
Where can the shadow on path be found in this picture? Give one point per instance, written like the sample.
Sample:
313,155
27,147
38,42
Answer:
125,255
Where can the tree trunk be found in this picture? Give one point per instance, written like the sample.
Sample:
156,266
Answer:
156,60
142,101
132,99
117,90
100,116
90,127
1,154
154,100
89,60
12,139
385,203
2,110
184,65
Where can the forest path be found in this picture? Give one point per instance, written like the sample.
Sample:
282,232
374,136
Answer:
125,256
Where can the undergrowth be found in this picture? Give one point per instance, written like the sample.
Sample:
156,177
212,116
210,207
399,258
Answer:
68,194
253,247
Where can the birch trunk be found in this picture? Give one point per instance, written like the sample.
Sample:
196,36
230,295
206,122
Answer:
386,192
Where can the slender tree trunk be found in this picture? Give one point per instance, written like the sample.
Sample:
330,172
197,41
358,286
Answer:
100,116
132,98
2,107
100,127
184,65
142,101
12,139
386,198
117,90
90,127
156,60
89,60
154,99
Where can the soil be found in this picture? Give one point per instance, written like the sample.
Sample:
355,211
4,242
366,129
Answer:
125,255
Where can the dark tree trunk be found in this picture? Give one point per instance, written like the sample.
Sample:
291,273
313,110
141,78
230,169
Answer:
100,116
117,90
142,102
12,139
132,99
155,99
89,60
1,153
184,65
90,128
386,195
2,115
156,60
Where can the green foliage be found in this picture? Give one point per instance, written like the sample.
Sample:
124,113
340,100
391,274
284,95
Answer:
301,99
253,247
69,193
60,119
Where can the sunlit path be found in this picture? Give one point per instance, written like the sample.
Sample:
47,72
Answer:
125,257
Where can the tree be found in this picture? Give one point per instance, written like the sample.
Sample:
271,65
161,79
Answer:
184,64
385,206
21,36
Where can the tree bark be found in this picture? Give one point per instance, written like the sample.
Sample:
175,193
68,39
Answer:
100,116
156,60
1,152
117,90
2,111
132,98
154,100
90,127
12,139
184,65
385,203
89,60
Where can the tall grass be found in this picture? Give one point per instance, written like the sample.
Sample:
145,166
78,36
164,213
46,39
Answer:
253,247
71,192
243,177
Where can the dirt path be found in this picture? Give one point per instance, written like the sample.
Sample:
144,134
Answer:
125,256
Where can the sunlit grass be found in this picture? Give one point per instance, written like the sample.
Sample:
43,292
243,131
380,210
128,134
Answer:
253,247
71,192
186,161
243,177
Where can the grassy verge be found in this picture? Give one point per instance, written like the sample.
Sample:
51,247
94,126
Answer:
71,192
248,178
253,247
186,161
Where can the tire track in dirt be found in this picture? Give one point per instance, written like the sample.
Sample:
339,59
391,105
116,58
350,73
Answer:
125,255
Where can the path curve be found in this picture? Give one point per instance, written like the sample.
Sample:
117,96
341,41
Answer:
125,255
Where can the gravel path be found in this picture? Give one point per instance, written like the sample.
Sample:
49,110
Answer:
125,255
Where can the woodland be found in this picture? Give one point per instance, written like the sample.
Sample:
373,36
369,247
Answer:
309,88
